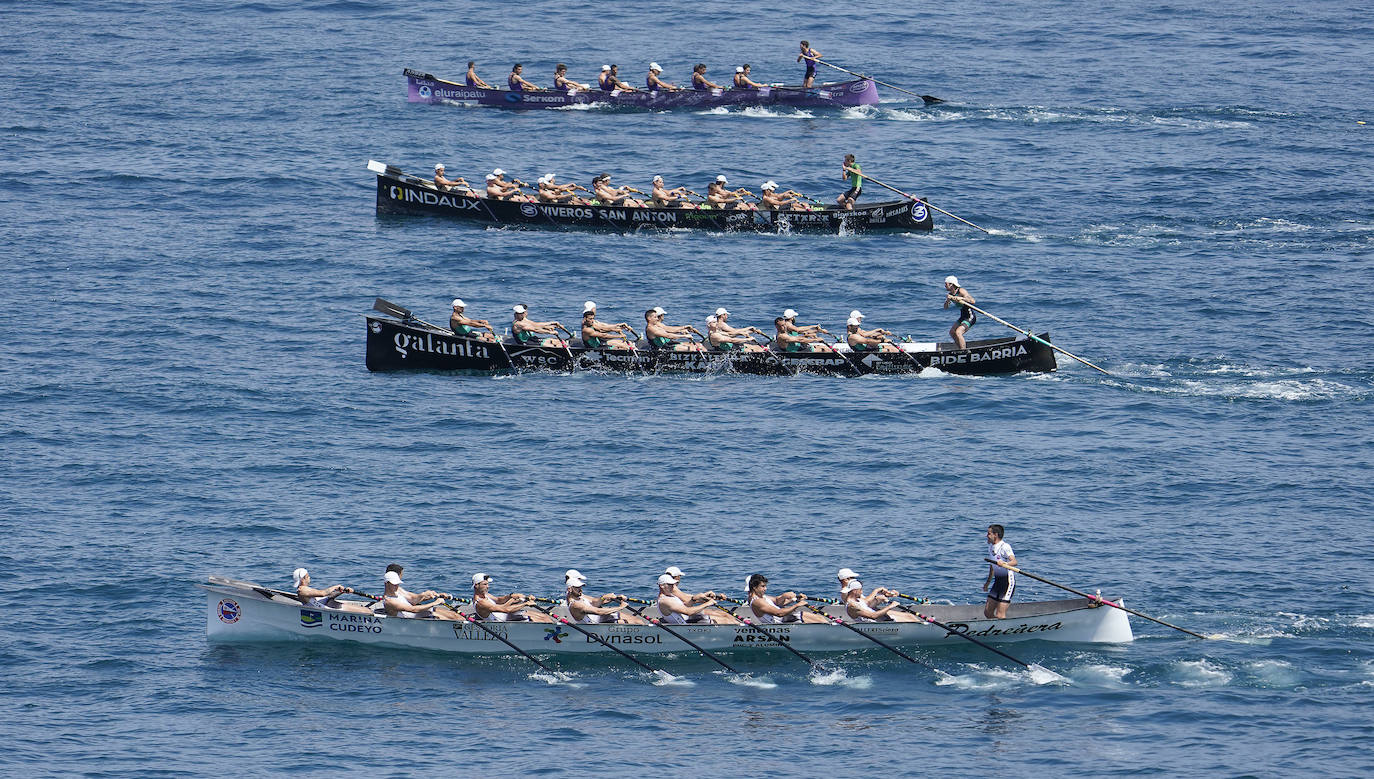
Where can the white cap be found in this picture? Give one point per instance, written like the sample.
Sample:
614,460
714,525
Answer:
952,280
588,306
674,572
491,177
845,573
654,66
659,310
392,577
853,585
478,578
721,312
721,179
658,178
458,303
542,179
438,166
519,308
572,573
498,172
666,579
605,68
739,69
748,579
768,185
789,314
710,320
856,314
853,320
576,581
299,574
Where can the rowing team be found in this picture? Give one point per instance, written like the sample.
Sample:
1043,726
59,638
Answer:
720,335
549,190
609,78
675,606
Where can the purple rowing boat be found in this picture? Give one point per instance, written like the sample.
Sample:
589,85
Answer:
425,88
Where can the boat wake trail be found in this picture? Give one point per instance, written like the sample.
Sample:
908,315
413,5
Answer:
840,678
557,677
747,680
1194,378
665,679
1042,675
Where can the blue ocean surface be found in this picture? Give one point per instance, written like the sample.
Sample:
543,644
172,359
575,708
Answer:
1179,192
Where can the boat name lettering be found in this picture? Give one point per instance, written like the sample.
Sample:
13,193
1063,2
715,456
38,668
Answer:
963,629
434,199
566,211
655,216
814,218
528,98
755,638
367,619
428,343
344,627
991,354
627,638
614,215
469,632
448,93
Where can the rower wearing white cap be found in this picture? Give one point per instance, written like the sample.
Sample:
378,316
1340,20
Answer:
612,81
465,326
505,608
691,598
321,598
675,337
858,608
668,198
550,191
561,80
849,583
726,338
699,81
602,335
500,189
717,196
601,79
772,200
474,80
742,80
861,340
593,611
526,331
400,602
959,296
676,611
613,196
793,337
446,183
653,82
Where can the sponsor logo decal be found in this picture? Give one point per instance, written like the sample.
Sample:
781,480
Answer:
555,635
859,87
918,211
376,326
311,619
528,209
425,92
350,623
434,199
628,638
228,611
468,632
406,343
1000,353
756,638
512,97
963,629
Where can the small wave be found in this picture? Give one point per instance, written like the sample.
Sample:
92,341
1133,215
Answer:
838,677
748,680
1275,673
1365,621
982,678
1201,673
664,679
1103,675
557,677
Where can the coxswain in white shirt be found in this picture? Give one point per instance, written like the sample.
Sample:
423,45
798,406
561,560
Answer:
504,608
1001,580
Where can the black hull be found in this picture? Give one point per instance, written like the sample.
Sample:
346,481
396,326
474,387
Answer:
398,193
393,345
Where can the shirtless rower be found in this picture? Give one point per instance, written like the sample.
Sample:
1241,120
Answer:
699,80
722,336
400,602
594,611
653,82
613,196
720,197
742,80
474,80
810,55
861,340
550,191
785,608
500,189
526,331
503,608
602,335
323,598
668,198
796,338
561,80
967,319
613,81
676,611
873,600
661,336
445,183
517,82
466,326
770,199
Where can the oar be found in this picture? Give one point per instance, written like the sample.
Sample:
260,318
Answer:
770,636
659,624
598,639
403,314
844,356
927,99
571,362
502,639
767,348
926,202
877,641
1032,336
1097,598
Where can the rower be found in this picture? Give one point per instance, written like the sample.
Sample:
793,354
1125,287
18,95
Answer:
653,82
600,335
787,607
674,610
326,598
857,607
668,198
854,175
722,336
592,611
689,598
400,602
500,189
772,201
717,196
475,80
798,338
613,81
967,319
550,191
526,331
613,196
517,82
446,184
464,326
873,600
601,79
1003,580
810,55
662,336
742,80
699,81
561,80
861,340
505,608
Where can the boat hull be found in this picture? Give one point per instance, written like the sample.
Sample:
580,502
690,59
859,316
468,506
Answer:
394,345
239,612
426,88
398,193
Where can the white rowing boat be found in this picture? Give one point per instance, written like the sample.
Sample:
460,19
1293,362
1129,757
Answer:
237,611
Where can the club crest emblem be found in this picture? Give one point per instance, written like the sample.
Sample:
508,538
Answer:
228,611
918,212
425,92
528,209
555,635
311,619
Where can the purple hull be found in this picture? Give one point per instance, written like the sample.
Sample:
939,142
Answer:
425,88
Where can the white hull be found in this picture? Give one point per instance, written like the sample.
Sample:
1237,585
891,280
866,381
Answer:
241,612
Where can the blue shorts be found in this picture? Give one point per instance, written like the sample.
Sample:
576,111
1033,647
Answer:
1002,588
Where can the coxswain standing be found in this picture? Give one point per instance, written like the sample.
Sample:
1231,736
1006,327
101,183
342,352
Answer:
861,340
699,81
967,319
854,175
726,338
444,183
602,335
810,55
526,331
742,80
517,82
466,327
474,80
561,80
661,336
668,198
1003,580
653,82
